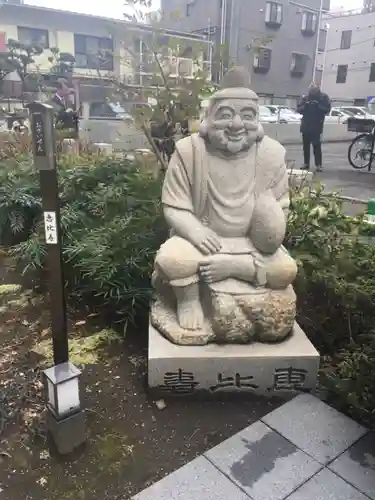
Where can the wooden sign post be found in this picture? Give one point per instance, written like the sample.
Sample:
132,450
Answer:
45,161
65,418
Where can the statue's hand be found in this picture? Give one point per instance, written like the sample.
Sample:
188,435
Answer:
206,240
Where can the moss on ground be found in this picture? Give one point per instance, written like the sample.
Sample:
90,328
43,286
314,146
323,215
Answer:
82,350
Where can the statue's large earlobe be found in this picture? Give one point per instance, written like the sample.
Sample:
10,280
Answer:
260,132
203,128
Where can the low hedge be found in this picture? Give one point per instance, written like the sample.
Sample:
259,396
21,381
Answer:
111,227
335,287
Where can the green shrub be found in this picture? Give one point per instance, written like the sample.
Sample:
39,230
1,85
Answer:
336,296
20,202
14,147
111,228
350,379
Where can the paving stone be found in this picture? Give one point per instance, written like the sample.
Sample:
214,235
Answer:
357,465
255,368
263,463
314,427
198,479
326,486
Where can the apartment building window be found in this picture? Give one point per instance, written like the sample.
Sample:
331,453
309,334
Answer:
274,14
262,60
342,73
309,23
33,36
346,39
93,52
372,73
189,8
298,65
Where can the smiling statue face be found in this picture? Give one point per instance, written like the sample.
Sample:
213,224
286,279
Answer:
233,125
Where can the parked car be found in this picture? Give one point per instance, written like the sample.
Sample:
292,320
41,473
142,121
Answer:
284,114
266,115
108,109
338,115
358,111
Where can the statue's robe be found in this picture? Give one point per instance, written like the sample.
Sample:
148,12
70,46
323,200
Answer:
221,192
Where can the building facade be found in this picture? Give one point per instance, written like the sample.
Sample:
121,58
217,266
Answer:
348,61
275,40
121,45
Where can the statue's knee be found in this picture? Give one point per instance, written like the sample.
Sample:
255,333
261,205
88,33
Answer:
281,272
177,259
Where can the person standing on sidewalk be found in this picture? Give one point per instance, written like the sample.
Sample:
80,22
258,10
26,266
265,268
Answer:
314,107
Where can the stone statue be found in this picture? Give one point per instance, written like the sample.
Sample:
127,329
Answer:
223,276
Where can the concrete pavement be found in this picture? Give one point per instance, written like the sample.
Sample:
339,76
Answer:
304,450
338,174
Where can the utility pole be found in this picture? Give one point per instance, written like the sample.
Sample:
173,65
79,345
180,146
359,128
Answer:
318,39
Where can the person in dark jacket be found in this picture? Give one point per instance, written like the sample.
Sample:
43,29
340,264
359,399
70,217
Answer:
314,107
66,117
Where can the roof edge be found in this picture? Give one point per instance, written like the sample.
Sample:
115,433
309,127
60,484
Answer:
135,26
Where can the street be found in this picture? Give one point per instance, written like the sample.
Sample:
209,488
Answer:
338,175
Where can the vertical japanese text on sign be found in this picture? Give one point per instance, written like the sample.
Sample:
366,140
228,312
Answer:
50,228
39,135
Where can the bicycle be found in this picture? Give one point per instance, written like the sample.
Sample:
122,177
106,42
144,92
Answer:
365,141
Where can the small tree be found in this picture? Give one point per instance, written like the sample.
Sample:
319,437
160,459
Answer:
181,94
5,66
63,63
18,58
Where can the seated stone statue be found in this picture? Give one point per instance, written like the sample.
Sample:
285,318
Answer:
223,275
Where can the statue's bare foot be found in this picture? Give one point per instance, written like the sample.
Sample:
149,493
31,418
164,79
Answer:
217,268
189,309
190,314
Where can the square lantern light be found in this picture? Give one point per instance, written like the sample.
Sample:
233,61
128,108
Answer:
62,389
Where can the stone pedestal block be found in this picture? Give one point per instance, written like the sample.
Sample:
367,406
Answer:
173,370
67,434
70,147
102,148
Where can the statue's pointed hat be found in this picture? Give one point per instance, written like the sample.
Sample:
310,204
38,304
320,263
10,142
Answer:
235,85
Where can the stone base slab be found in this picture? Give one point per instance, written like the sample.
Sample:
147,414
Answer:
68,434
174,370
